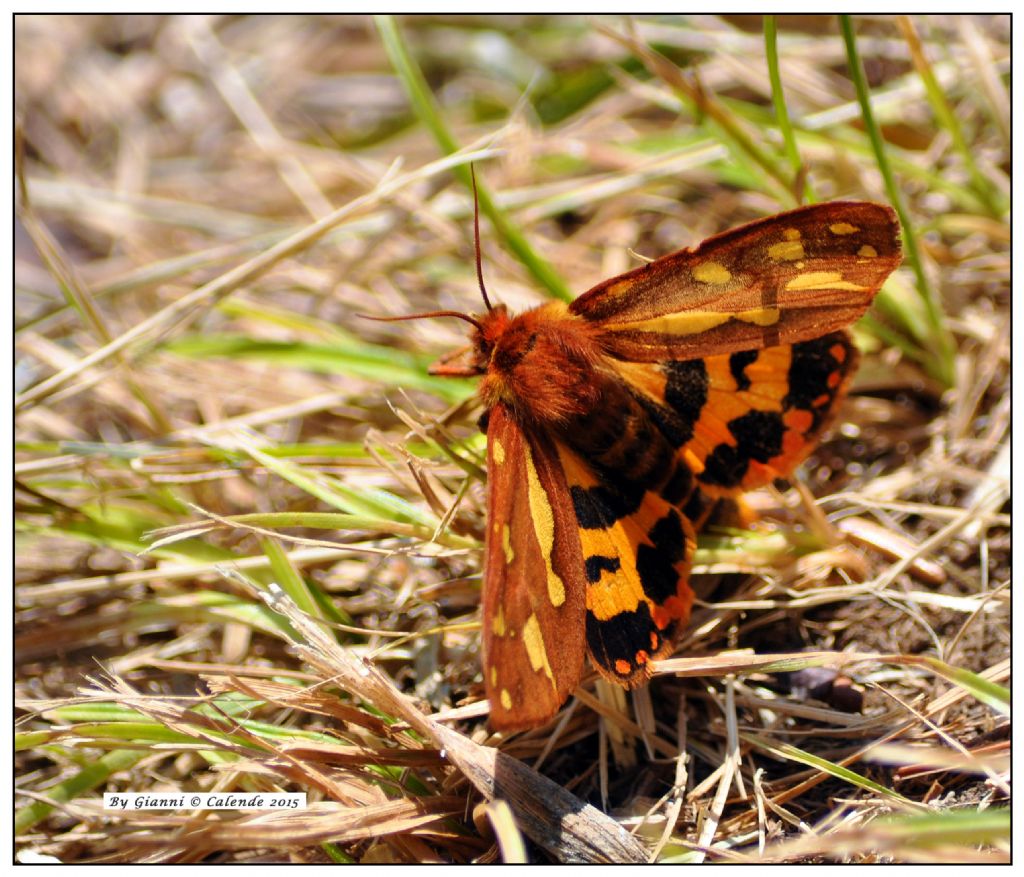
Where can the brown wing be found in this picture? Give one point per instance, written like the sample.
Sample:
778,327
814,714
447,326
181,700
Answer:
534,585
779,280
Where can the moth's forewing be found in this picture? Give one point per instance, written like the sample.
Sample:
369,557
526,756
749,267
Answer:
780,280
534,585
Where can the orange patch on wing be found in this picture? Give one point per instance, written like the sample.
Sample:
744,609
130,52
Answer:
709,432
644,376
723,407
674,608
792,443
757,474
720,374
799,419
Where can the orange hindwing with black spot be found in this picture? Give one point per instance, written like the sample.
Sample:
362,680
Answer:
617,424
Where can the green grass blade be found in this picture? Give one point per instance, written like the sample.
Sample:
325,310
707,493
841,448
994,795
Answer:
989,693
966,827
940,342
995,204
771,44
384,365
88,778
792,753
429,113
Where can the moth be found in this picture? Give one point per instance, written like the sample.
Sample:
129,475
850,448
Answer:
619,423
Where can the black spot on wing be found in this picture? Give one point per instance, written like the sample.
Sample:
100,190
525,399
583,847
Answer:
655,563
679,484
698,506
810,367
598,563
738,363
621,637
599,507
686,392
759,434
686,387
758,437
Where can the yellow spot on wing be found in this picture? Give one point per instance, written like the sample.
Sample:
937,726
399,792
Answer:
791,234
712,272
623,287
787,251
842,228
544,527
494,676
506,699
759,316
695,322
498,624
499,452
533,639
683,323
821,280
506,544
867,251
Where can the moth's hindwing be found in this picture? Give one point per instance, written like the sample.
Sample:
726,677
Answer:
534,586
739,421
780,280
637,551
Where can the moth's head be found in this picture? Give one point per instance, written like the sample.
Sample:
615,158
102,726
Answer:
472,360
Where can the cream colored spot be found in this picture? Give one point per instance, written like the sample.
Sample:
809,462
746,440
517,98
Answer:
544,527
533,639
683,323
791,234
499,452
506,544
867,251
498,624
506,699
843,228
821,280
759,316
787,251
712,272
623,287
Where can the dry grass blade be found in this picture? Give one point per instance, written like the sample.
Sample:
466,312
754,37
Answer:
190,306
550,816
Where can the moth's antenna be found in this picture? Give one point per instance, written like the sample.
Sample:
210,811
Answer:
476,239
426,316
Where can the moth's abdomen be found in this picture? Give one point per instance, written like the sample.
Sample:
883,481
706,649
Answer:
622,441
